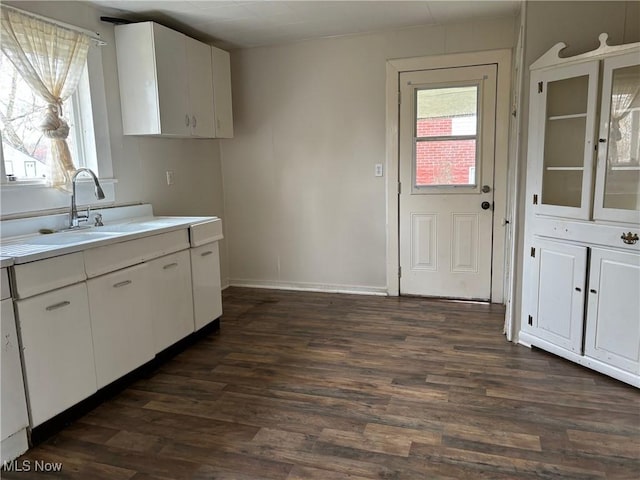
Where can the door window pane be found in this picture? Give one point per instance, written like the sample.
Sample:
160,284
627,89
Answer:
446,128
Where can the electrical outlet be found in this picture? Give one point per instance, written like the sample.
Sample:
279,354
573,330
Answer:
169,177
378,170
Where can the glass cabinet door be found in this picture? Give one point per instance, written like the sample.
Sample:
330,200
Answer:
566,99
617,195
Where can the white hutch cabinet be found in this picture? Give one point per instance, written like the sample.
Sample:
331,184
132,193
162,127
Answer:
581,273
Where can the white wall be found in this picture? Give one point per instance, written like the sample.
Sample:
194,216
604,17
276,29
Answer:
577,24
140,163
303,206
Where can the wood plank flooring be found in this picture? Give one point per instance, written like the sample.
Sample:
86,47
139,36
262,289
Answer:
305,386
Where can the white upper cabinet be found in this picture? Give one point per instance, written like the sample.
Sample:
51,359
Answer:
222,93
566,98
200,88
562,138
617,195
167,83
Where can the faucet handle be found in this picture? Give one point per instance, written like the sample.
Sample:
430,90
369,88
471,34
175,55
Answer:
84,217
98,220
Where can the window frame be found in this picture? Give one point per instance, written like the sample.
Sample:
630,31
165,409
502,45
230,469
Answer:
448,188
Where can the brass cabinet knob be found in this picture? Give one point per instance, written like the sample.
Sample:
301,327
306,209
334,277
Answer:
630,238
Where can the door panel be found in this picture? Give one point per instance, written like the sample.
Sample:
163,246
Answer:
424,232
613,324
561,274
447,130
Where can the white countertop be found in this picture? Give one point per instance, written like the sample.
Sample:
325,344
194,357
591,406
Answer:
6,262
28,248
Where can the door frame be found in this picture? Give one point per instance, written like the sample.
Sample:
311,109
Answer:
503,90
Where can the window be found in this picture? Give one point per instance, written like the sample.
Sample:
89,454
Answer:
446,130
26,150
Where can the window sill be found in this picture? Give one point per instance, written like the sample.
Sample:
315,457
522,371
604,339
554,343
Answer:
35,184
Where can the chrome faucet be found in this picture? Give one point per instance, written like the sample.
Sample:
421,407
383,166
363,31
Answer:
74,217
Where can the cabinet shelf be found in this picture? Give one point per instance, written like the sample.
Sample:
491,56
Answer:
568,117
564,169
629,168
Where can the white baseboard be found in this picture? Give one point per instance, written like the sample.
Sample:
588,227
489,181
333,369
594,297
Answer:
309,287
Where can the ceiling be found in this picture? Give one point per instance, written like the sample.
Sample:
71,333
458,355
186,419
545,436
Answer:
242,24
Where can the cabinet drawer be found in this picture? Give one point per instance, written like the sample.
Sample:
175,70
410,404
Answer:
4,284
57,349
206,232
109,258
44,275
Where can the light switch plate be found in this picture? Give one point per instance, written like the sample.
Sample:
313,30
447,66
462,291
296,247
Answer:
378,170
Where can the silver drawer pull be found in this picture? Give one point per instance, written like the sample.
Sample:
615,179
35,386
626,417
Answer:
121,284
57,305
204,254
170,265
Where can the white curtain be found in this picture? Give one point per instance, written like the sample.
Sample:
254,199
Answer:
625,91
50,59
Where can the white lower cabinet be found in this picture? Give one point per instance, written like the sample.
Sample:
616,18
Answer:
613,310
57,350
86,319
558,293
121,322
13,405
205,272
171,304
598,327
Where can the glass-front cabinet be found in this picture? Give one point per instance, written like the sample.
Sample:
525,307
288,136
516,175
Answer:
617,195
567,140
566,98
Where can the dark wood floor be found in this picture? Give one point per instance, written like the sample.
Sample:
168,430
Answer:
318,386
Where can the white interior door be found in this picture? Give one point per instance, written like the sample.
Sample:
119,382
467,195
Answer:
447,136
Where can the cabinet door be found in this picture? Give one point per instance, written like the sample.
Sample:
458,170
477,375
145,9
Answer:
617,195
57,349
171,67
613,323
200,88
556,294
121,322
171,302
205,271
561,139
12,400
222,93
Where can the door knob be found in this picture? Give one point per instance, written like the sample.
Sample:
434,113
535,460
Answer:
486,189
485,205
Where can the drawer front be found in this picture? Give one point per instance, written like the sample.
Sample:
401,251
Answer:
57,349
45,275
109,258
206,232
4,284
